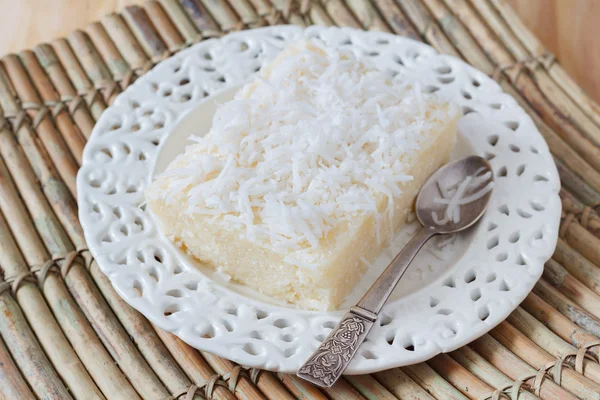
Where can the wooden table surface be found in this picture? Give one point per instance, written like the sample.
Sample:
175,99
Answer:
569,28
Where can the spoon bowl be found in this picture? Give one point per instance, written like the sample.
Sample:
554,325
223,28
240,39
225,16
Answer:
432,201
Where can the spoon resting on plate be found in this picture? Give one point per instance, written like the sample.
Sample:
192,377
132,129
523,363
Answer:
453,199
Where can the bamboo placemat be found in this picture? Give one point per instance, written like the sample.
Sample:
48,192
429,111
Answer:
66,334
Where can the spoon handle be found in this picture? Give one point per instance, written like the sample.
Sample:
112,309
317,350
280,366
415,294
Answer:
327,364
329,361
383,287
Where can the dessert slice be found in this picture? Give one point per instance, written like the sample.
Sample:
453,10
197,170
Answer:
305,175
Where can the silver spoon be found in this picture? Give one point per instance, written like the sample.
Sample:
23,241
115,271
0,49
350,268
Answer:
327,364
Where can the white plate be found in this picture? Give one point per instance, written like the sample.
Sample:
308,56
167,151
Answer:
439,306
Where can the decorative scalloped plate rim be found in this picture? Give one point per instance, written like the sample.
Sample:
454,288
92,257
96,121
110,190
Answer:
500,267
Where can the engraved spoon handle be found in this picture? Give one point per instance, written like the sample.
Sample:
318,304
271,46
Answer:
327,364
332,357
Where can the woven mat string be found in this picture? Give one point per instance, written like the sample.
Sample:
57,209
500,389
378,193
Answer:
510,392
565,225
233,376
109,88
581,355
54,108
91,95
585,216
254,373
428,25
14,283
74,103
209,386
61,264
546,59
553,369
3,123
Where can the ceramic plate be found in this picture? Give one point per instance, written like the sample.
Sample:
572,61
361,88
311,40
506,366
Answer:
449,297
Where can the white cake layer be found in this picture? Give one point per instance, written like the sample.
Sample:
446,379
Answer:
291,188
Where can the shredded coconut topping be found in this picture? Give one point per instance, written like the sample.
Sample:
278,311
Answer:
318,139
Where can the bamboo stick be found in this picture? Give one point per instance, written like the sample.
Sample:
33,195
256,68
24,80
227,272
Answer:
538,358
583,241
115,338
149,345
456,33
244,389
587,216
318,16
68,130
395,19
164,26
265,10
401,385
340,15
342,390
143,30
125,45
39,316
541,335
577,265
180,20
555,321
566,307
368,16
224,15
290,11
433,383
12,385
485,371
27,353
77,106
196,368
371,389
425,23
560,278
201,18
92,63
270,14
246,14
468,384
515,368
589,106
78,78
262,11
271,387
581,186
299,388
